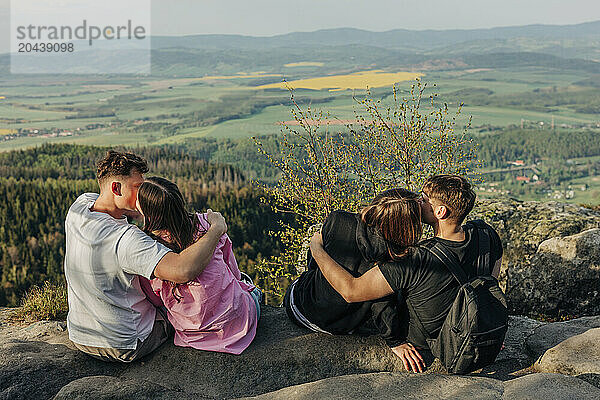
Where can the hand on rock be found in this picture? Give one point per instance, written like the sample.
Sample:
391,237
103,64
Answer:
411,359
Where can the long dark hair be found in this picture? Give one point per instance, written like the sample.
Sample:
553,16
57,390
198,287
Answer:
396,214
164,208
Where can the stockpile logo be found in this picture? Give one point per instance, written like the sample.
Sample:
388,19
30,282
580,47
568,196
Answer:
80,36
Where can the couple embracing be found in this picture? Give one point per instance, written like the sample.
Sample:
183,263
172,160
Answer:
130,288
371,273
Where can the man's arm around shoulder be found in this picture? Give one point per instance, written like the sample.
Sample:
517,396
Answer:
187,265
370,286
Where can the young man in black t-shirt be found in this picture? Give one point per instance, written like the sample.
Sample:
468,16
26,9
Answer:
420,277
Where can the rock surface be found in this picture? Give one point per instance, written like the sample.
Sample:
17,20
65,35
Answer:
393,386
577,355
111,388
551,262
546,336
281,355
408,386
569,347
284,361
37,370
549,386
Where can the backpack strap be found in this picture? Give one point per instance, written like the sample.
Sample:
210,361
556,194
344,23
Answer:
484,243
450,261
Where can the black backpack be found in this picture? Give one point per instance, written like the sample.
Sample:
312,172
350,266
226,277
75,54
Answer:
473,333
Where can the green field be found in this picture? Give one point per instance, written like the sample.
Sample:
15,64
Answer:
122,103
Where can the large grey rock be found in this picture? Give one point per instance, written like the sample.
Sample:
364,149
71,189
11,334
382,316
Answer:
409,386
560,277
111,388
281,355
576,355
549,386
547,336
392,386
37,370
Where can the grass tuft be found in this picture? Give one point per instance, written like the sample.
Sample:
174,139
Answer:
48,302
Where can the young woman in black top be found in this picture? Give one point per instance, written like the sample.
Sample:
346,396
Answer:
382,231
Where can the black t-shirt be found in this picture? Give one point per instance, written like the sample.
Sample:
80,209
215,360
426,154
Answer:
355,247
429,285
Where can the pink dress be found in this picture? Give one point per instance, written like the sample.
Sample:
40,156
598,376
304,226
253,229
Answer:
216,311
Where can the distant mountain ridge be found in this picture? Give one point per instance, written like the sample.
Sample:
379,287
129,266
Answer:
564,47
412,40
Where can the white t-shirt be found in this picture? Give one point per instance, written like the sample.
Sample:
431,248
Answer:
103,259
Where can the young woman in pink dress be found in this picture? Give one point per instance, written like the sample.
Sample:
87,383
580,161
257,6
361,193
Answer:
217,311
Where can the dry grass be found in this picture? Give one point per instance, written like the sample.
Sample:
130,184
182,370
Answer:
48,302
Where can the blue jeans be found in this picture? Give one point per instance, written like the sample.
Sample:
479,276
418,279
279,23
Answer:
257,295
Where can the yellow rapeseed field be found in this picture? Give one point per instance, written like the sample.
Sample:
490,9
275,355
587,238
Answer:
357,80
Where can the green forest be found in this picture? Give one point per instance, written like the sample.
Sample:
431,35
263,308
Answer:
38,185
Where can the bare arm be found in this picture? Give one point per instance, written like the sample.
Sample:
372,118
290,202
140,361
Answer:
185,266
496,270
370,286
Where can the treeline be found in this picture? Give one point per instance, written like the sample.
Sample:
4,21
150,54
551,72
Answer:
583,99
534,145
215,161
37,187
494,149
79,162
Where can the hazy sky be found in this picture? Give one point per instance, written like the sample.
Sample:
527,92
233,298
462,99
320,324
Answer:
271,17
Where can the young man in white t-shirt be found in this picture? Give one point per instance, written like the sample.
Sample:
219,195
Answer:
109,316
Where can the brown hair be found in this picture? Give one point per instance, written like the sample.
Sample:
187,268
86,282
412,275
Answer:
163,207
396,214
454,192
116,163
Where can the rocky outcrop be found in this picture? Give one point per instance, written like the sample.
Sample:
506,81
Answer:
281,355
546,336
286,361
381,385
393,386
438,387
551,263
578,355
110,388
569,348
